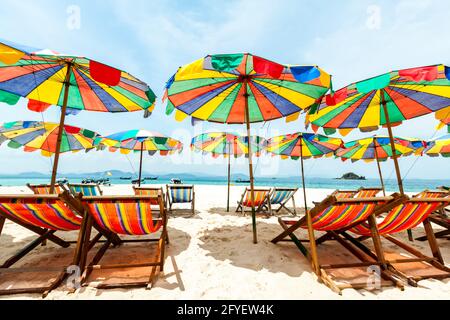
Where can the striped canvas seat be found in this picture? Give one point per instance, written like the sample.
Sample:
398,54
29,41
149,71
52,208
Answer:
343,214
279,196
404,217
48,213
368,192
181,194
344,194
260,197
88,190
124,216
149,191
45,189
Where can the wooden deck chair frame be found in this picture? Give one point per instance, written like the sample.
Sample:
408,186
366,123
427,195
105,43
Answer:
312,255
284,203
264,206
171,202
436,260
43,235
92,185
94,264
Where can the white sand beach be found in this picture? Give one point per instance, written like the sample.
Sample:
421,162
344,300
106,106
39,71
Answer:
211,256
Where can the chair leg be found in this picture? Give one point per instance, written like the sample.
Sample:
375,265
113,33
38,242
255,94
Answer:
432,241
293,203
2,223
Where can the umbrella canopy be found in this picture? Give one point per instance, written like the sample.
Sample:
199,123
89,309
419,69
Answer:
379,148
306,145
39,75
439,146
215,89
303,146
226,144
406,94
243,88
35,135
46,77
229,145
140,141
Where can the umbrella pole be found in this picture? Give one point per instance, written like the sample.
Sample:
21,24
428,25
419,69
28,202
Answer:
312,241
250,161
379,172
229,176
61,127
394,153
140,163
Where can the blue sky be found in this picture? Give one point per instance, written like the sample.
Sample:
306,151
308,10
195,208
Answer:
352,40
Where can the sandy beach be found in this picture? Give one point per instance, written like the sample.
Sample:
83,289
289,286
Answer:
211,256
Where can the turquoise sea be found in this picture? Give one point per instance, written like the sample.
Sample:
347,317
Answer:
410,185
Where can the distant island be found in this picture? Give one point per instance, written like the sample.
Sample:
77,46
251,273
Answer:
351,176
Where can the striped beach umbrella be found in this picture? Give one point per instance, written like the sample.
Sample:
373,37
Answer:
242,89
439,146
228,145
303,146
74,83
385,100
378,148
35,135
140,141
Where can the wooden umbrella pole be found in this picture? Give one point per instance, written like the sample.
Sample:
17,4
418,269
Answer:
391,138
379,169
312,238
229,176
250,161
61,126
394,153
140,163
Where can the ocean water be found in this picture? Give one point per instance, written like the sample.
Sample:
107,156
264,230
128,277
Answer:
410,185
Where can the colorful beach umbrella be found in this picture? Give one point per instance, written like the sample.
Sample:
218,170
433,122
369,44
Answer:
378,148
243,88
140,141
385,100
439,146
303,146
228,145
36,135
74,83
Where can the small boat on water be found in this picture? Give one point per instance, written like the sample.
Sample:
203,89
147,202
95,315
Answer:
241,181
151,178
125,178
176,181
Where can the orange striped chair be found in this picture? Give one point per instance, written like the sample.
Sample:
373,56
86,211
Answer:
368,192
261,203
45,188
153,192
126,216
44,215
331,215
409,215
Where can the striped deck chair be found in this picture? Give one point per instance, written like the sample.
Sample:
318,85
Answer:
406,216
179,194
44,188
44,215
150,191
440,217
281,196
126,216
334,214
367,192
91,189
261,203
